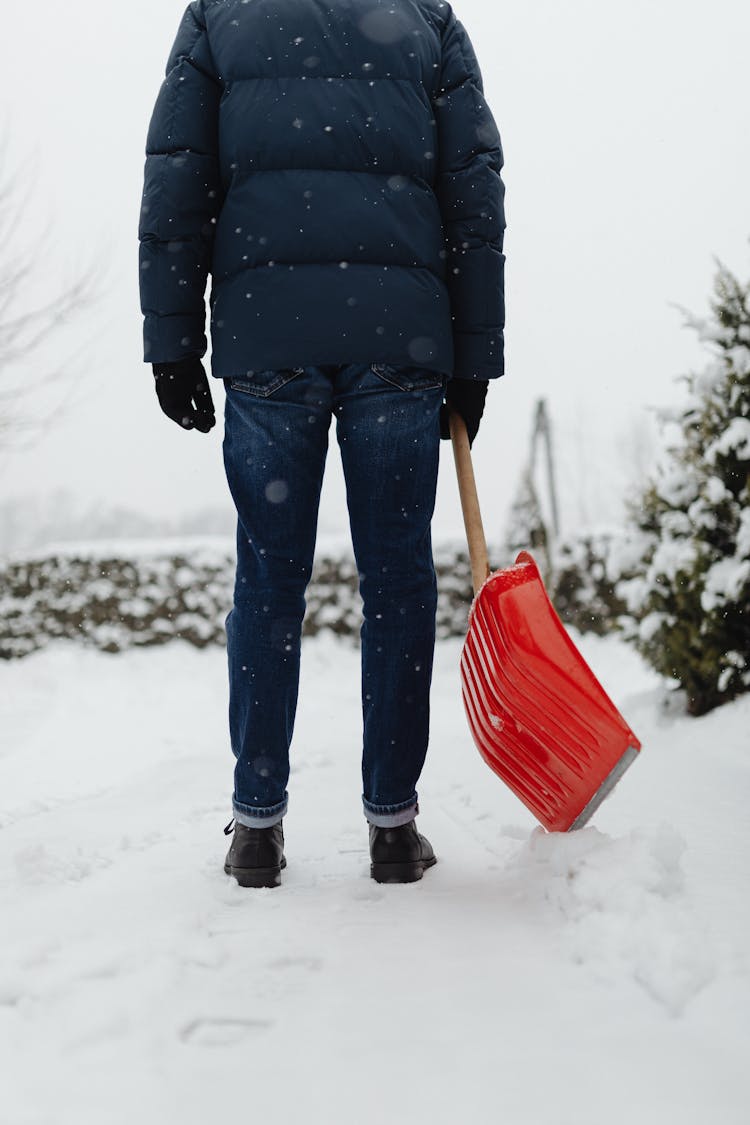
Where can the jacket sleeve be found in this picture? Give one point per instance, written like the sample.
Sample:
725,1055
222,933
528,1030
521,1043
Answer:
181,198
470,192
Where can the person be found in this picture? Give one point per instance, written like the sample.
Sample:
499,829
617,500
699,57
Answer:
335,167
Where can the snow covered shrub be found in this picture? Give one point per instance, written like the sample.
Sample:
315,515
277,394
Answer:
455,591
691,602
584,585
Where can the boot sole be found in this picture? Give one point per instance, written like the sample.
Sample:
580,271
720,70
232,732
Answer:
256,876
401,872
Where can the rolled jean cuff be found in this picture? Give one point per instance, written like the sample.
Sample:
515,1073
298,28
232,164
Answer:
259,818
391,816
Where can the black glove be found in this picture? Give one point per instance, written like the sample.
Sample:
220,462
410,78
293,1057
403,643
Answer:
184,394
466,397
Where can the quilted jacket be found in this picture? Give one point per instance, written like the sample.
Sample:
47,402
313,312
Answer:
335,168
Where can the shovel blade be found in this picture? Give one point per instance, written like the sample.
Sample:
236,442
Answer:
538,715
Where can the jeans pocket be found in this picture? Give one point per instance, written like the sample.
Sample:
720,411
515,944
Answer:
262,384
409,378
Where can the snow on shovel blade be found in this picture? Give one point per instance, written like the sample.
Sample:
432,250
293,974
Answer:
539,716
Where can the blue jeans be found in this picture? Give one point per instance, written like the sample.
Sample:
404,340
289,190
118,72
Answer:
275,445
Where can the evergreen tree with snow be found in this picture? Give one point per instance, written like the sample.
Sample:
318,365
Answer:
526,529
691,602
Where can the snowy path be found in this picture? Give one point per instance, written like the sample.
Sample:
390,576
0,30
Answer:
602,977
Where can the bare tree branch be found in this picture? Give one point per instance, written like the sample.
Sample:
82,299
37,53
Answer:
27,324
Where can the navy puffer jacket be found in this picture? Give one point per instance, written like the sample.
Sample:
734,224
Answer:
334,166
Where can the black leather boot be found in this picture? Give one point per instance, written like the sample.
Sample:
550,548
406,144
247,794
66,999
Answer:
256,857
399,855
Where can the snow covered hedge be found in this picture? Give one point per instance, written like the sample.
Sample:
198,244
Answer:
121,595
111,602
690,604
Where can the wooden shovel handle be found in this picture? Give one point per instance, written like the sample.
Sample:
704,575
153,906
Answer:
467,489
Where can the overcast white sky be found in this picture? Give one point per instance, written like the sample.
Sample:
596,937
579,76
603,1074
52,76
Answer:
626,130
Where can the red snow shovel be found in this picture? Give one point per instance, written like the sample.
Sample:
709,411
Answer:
540,718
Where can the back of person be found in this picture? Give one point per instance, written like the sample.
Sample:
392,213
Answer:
338,172
333,165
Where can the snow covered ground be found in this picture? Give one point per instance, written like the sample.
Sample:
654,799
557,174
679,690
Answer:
600,977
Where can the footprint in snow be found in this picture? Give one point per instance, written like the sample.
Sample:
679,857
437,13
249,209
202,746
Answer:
312,964
367,893
39,865
222,1032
